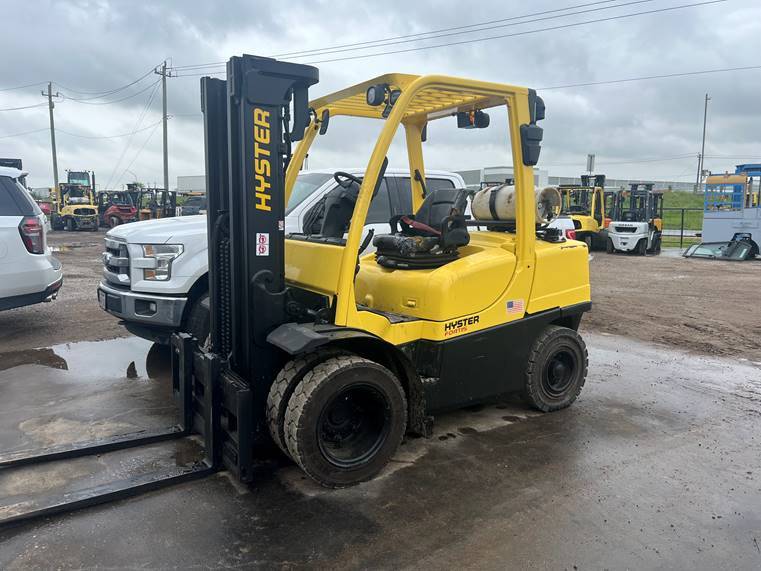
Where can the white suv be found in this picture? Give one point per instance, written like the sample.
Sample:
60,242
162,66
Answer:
156,271
29,273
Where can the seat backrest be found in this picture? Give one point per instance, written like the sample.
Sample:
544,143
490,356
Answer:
440,203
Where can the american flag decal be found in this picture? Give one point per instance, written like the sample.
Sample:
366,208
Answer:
515,306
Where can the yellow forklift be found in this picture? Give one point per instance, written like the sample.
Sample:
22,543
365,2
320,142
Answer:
335,355
74,204
589,206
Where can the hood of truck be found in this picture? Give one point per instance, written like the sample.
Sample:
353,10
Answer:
161,231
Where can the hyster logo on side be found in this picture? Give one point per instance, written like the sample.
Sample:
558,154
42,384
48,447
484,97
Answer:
459,325
262,165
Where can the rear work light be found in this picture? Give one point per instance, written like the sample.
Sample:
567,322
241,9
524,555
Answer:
32,234
570,234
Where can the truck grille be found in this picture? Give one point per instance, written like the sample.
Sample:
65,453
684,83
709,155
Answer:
630,229
116,263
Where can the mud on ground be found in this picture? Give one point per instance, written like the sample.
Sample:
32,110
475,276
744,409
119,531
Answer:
702,306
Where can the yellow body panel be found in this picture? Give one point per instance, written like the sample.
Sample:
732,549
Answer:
313,266
468,285
561,278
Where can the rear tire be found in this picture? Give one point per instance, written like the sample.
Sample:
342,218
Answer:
345,421
588,242
284,385
556,369
114,221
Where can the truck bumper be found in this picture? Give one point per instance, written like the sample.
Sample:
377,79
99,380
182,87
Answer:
147,309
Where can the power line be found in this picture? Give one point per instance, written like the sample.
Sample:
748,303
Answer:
664,76
485,29
150,136
88,102
523,33
23,86
487,22
25,107
132,134
99,94
24,133
368,43
108,136
495,37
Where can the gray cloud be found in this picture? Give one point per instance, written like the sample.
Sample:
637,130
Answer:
100,45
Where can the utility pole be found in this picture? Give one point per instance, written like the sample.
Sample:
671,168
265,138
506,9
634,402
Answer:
163,73
701,156
51,105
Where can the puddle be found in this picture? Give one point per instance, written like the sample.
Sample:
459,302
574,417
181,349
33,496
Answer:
130,357
63,248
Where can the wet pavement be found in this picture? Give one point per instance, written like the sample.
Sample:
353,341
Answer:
657,465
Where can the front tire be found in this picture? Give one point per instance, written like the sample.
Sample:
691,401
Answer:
283,386
609,246
197,323
556,369
641,248
69,225
345,420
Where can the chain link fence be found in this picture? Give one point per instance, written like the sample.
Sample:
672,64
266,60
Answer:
681,226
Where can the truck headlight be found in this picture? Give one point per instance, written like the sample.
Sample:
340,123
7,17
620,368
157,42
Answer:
164,255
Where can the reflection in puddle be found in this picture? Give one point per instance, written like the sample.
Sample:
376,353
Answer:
130,357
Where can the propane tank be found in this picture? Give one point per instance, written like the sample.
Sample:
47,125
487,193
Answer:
498,203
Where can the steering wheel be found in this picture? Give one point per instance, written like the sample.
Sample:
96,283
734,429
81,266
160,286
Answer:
345,180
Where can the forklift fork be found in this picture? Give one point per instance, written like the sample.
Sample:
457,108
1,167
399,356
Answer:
200,412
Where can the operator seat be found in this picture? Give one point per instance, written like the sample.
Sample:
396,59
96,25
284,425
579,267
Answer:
428,239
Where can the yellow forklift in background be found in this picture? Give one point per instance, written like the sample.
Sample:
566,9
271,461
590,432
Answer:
334,354
74,206
589,206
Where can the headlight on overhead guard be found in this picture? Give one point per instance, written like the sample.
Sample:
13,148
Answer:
164,255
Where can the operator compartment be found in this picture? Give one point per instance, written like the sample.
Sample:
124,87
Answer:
469,284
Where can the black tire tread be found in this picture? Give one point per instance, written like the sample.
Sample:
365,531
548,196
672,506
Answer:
528,387
283,387
301,396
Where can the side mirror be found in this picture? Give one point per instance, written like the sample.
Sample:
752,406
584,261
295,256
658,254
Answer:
324,122
472,120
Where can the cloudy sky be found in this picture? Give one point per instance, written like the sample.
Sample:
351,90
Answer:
646,129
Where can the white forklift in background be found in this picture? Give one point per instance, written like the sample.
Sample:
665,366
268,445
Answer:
637,224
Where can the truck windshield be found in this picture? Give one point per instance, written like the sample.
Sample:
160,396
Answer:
304,186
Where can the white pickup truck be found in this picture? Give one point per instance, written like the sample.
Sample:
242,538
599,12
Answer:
155,274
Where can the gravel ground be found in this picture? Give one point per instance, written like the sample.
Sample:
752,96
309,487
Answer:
702,306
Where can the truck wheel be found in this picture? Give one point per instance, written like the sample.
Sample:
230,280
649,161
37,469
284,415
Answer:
284,385
197,323
609,246
556,369
345,420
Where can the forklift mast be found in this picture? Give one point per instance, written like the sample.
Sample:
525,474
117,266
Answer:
250,121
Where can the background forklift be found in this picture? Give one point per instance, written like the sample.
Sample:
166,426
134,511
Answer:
332,355
638,221
74,206
115,207
585,204
152,203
